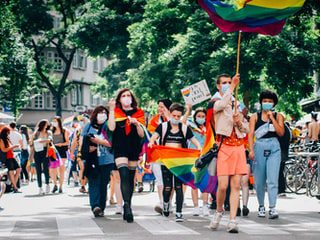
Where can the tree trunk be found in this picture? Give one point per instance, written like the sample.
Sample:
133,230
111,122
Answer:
58,105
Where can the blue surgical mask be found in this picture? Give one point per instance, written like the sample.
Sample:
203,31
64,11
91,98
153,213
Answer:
174,121
225,87
200,121
267,106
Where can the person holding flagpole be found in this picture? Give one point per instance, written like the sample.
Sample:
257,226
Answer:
230,128
126,122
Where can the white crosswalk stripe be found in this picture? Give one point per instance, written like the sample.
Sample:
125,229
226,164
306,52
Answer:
162,226
84,226
6,228
78,227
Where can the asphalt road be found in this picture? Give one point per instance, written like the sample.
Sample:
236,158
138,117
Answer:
67,216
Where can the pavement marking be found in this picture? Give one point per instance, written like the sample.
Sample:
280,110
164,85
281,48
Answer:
302,223
161,226
77,227
253,228
6,228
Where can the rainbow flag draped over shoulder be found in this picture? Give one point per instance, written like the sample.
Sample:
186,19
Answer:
121,116
180,161
260,16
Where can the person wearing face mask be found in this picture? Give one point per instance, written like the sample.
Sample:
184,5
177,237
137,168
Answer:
100,160
61,142
75,151
266,126
162,116
198,126
230,130
39,146
126,121
173,134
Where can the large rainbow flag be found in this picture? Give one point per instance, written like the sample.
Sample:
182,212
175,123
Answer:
260,16
180,161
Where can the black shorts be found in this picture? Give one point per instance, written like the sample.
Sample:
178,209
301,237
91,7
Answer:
12,164
62,151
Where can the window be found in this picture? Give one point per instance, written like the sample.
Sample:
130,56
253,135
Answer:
56,22
77,96
58,63
96,66
39,101
48,99
80,60
64,102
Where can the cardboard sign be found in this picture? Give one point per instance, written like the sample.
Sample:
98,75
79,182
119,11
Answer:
196,93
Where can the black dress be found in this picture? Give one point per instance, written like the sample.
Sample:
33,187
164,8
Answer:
128,146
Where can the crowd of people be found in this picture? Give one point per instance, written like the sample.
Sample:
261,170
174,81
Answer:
105,149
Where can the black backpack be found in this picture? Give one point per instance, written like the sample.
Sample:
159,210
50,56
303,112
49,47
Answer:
85,147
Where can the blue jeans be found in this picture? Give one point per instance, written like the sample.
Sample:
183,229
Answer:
266,167
98,186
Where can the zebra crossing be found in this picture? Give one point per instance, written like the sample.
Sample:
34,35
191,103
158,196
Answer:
83,226
68,216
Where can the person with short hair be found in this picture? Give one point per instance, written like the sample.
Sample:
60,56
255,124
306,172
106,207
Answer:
163,115
175,135
266,126
313,128
231,129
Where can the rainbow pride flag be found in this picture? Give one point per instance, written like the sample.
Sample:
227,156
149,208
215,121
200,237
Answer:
180,161
260,16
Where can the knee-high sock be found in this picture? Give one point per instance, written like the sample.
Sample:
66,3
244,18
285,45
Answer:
125,183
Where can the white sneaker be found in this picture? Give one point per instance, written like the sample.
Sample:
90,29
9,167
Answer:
179,217
41,192
262,212
118,209
273,214
232,227
214,224
47,189
205,210
196,211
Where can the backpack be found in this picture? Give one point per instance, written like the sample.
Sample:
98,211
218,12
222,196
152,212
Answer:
166,127
85,147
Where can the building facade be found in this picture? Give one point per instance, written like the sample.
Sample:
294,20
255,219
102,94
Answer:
83,73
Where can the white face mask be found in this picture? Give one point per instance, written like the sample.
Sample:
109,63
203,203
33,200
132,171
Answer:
54,124
101,118
126,101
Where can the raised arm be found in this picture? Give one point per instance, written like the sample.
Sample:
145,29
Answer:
111,120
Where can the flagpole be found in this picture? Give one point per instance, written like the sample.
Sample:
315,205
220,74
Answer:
237,69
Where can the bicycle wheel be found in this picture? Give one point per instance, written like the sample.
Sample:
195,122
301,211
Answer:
313,186
296,179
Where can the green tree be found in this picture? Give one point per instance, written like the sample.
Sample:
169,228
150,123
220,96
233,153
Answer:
16,80
176,45
34,20
103,32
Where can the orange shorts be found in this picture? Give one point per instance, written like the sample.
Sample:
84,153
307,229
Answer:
231,161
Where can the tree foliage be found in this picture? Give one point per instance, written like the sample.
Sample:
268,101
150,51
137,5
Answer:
16,79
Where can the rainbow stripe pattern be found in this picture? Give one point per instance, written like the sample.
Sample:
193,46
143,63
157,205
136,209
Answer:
180,161
260,16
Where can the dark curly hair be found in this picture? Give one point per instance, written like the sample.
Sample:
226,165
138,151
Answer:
268,94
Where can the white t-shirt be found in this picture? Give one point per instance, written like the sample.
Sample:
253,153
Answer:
24,142
15,138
